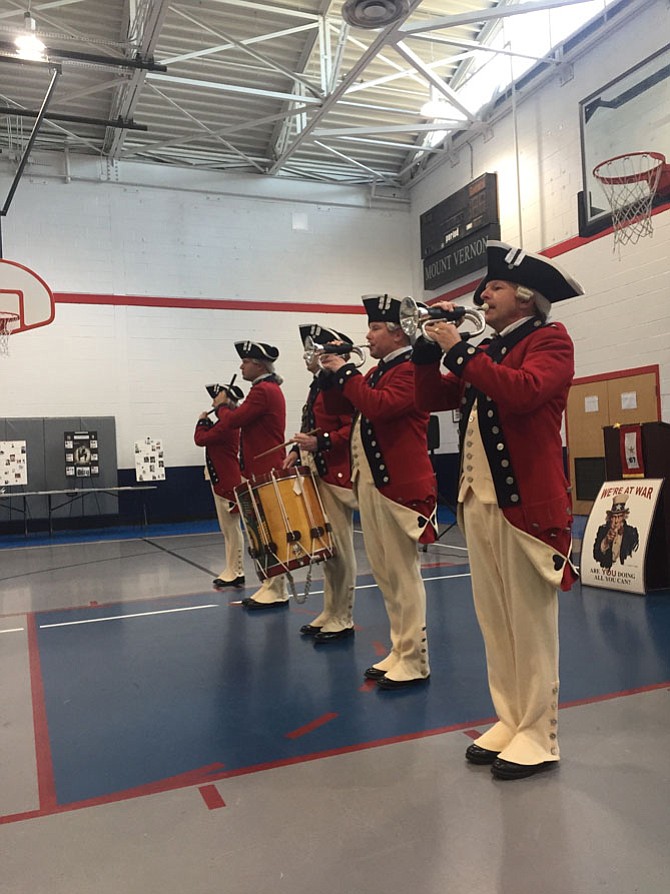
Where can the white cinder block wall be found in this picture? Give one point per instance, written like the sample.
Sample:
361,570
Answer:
147,366
623,321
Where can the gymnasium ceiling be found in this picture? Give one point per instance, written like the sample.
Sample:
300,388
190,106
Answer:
285,89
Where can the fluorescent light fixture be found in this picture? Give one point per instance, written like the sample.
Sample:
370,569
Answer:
28,45
440,109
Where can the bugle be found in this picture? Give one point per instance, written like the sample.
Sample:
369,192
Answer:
413,318
315,350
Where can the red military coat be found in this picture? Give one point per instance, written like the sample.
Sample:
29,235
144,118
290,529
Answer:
393,431
261,420
520,402
221,456
331,459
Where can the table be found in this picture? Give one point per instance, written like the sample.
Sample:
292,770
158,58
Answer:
72,494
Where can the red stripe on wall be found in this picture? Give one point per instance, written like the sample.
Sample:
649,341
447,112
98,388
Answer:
206,303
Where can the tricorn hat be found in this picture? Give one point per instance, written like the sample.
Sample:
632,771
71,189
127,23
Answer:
382,308
231,390
256,350
525,269
321,334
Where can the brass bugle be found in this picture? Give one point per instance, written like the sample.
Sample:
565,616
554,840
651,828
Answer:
413,318
314,349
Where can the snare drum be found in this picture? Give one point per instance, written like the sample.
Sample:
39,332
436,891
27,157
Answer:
284,521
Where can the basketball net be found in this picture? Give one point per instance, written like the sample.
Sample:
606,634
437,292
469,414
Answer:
8,323
630,183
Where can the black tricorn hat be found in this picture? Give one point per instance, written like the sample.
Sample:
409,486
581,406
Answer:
321,334
382,308
231,390
525,269
256,350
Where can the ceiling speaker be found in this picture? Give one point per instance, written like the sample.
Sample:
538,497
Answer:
374,13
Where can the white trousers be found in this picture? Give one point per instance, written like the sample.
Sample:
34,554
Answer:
229,523
339,573
517,610
391,533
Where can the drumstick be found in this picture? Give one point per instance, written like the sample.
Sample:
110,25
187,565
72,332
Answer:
286,443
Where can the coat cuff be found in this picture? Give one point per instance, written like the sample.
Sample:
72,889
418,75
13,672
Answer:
457,358
345,373
426,352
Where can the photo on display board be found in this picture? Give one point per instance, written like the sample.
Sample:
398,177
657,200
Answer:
13,463
149,460
81,449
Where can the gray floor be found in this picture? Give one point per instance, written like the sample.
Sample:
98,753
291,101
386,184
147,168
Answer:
410,815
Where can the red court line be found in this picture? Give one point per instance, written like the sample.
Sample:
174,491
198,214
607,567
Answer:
46,785
211,796
472,733
308,727
212,773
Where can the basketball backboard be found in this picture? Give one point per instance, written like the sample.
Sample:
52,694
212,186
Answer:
629,114
24,293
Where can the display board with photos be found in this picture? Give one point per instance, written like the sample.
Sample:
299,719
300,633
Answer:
617,535
149,460
13,463
81,454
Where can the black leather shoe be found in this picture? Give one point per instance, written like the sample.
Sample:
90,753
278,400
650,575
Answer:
503,769
309,630
385,683
221,584
477,755
252,605
374,673
335,635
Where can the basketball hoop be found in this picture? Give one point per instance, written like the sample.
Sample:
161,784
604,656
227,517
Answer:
630,183
8,323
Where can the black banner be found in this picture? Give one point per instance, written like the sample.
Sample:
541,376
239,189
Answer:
458,259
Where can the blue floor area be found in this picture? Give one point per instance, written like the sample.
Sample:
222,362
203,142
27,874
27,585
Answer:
141,699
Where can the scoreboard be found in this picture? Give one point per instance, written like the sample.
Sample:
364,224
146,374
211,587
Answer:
454,232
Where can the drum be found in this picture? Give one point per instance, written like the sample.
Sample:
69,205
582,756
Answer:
284,521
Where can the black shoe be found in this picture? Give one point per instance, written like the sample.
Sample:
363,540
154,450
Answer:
477,755
221,584
385,683
309,630
374,673
503,769
252,605
335,635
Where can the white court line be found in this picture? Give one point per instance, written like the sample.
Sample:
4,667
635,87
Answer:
165,611
13,630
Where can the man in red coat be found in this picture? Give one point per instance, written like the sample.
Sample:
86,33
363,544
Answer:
394,483
327,454
261,421
514,503
223,470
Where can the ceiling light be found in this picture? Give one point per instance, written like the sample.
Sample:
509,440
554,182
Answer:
28,45
374,13
441,110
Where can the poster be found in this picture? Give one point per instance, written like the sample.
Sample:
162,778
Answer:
617,533
149,460
13,463
81,454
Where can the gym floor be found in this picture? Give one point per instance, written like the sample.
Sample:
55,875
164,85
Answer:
155,735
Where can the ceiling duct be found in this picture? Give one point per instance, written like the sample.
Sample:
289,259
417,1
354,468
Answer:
374,13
